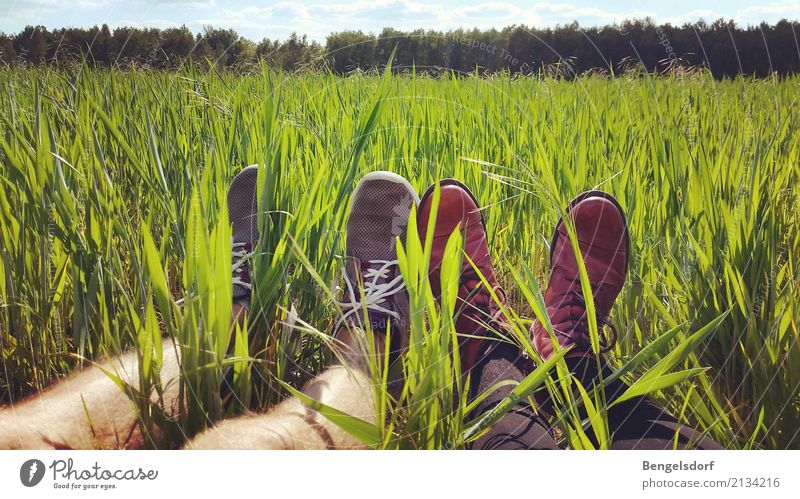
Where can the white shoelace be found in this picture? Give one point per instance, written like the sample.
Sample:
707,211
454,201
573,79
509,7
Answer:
374,293
240,257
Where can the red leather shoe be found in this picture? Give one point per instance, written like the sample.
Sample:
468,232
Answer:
476,312
604,243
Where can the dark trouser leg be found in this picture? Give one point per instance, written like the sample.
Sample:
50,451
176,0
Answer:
639,423
521,428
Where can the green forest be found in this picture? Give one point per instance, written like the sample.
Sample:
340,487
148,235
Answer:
722,47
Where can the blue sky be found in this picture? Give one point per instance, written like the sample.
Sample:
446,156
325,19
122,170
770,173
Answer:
317,18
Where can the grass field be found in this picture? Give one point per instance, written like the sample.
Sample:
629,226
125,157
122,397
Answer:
112,208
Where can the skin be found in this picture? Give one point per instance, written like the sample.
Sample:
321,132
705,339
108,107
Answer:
89,411
292,425
85,411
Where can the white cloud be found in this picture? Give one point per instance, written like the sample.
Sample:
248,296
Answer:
25,12
774,11
192,4
274,21
145,23
692,16
359,6
27,5
563,13
753,14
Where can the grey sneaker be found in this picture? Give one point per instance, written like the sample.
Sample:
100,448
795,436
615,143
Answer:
379,209
242,210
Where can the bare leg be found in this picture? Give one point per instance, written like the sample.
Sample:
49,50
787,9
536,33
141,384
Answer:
87,410
292,425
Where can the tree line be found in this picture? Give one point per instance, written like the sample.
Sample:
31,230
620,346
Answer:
722,47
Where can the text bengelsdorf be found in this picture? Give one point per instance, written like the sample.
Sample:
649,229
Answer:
679,466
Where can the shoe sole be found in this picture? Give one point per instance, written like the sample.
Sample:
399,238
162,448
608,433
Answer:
242,202
595,194
241,187
388,176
